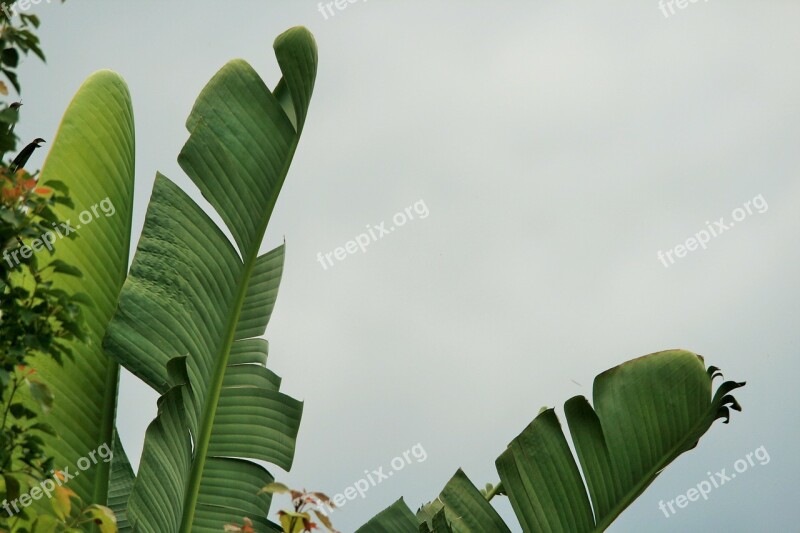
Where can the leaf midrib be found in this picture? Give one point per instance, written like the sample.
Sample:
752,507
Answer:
650,475
217,377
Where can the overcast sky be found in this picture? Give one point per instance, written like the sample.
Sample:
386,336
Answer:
557,147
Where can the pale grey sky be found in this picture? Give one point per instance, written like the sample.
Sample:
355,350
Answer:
558,148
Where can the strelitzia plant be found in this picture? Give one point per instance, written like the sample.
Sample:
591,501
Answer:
188,318
646,413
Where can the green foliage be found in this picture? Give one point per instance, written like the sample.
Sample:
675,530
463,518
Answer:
92,154
397,518
646,413
17,39
39,321
188,318
306,507
35,317
193,305
69,514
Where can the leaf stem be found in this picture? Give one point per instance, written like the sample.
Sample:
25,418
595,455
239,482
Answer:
495,491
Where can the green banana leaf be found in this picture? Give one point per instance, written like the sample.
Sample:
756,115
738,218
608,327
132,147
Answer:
120,485
463,505
397,518
193,306
93,155
646,413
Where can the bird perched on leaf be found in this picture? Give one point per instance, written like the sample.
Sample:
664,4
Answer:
25,154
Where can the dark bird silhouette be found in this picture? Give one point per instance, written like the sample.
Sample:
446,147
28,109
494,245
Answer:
25,154
15,105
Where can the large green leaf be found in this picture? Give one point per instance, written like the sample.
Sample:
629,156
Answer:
465,508
193,305
397,518
93,155
120,486
646,413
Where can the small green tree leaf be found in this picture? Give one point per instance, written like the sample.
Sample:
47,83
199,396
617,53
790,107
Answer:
64,268
41,394
275,488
